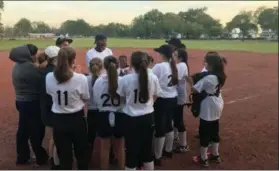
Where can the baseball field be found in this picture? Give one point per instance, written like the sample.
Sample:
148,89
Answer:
249,123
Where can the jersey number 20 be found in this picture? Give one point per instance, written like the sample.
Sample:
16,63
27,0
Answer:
65,96
115,102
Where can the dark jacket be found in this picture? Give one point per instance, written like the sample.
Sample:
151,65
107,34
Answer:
46,100
26,76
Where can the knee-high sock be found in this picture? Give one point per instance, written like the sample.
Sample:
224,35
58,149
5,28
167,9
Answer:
169,141
215,149
182,138
148,166
159,144
203,151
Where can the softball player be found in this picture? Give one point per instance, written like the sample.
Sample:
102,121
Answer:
109,117
138,88
210,109
50,54
183,71
167,74
95,68
124,67
69,91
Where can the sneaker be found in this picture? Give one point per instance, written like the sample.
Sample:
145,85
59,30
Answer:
167,154
182,149
199,161
158,162
213,158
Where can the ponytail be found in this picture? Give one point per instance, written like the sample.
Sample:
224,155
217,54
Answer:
143,82
63,70
174,71
139,61
110,63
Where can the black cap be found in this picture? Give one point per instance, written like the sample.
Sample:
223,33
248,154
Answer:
165,50
100,37
174,41
62,39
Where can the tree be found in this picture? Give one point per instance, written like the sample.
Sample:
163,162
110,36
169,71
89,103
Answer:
40,27
1,9
23,27
77,27
268,19
243,21
172,23
9,31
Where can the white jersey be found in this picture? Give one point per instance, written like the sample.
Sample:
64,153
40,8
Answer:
211,106
67,97
126,70
163,72
129,89
91,104
102,97
92,53
181,86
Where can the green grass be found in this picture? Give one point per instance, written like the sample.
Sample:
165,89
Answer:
234,45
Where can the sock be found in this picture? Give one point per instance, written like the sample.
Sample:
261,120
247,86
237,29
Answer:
158,149
182,138
176,136
203,151
56,160
169,141
127,168
215,149
148,166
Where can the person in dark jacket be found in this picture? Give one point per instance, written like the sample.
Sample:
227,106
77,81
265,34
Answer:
27,80
50,54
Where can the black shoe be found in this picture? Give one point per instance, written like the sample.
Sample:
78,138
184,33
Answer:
167,154
158,162
42,161
215,159
24,162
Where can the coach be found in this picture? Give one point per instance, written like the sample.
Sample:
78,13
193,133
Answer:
27,84
99,51
63,41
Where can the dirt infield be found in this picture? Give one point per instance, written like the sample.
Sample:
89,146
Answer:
249,125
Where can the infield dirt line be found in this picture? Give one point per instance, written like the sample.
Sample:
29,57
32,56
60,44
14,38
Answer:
246,98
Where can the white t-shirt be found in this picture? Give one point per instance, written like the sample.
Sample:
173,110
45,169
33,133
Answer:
91,104
163,72
67,97
129,88
181,86
102,97
126,70
211,106
92,53
204,69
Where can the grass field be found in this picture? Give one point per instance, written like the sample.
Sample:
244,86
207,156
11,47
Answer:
233,45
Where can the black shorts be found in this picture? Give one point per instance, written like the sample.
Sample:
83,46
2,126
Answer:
105,130
164,109
209,132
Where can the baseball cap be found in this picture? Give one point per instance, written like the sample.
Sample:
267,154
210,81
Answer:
61,39
174,41
100,37
165,50
52,51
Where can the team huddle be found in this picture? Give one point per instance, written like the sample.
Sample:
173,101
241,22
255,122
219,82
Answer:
136,109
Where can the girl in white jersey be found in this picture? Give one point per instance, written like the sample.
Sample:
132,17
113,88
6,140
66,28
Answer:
138,88
109,116
69,91
183,71
167,74
210,109
95,68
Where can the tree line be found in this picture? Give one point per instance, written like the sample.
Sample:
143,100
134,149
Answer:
154,24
